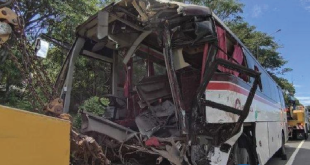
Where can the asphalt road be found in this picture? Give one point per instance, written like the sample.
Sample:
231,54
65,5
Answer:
298,153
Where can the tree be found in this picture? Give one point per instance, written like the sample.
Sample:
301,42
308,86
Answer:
48,15
58,18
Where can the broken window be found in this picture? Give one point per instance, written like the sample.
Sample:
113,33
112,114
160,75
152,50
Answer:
139,69
92,77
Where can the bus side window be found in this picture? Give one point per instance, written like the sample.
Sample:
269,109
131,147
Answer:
250,63
274,92
260,85
243,76
267,84
281,97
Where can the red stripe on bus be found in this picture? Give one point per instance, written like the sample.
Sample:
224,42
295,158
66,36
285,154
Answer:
236,88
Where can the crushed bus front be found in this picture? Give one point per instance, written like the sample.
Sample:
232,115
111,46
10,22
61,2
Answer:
166,59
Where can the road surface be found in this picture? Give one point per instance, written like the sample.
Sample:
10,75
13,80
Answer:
298,153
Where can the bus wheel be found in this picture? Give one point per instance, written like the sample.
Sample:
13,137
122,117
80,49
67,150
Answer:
294,135
306,133
281,152
242,153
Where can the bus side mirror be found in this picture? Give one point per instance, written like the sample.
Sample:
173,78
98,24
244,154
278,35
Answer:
41,47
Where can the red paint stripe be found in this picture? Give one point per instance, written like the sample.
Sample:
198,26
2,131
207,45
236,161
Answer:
236,88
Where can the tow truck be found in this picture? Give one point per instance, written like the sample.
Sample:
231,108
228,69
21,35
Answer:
298,122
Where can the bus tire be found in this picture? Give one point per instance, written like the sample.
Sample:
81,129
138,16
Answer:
294,135
282,152
306,133
243,152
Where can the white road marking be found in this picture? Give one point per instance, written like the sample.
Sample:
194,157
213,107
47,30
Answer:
292,158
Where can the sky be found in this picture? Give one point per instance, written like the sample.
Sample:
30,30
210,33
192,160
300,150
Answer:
293,18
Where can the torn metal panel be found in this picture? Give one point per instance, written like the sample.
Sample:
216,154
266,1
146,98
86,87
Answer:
92,123
137,27
139,7
156,117
163,110
151,89
190,10
203,29
103,24
220,157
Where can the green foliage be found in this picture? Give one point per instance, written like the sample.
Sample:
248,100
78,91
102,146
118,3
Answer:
224,9
14,100
55,15
91,78
77,120
93,106
90,105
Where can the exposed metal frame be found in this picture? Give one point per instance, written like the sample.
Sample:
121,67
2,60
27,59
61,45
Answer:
135,45
96,56
103,24
69,79
174,86
113,15
114,73
92,123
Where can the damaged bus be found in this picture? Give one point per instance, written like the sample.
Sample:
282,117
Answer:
183,89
